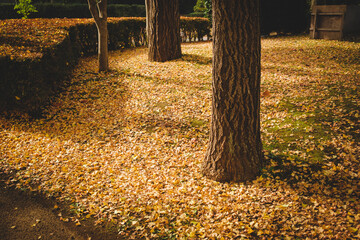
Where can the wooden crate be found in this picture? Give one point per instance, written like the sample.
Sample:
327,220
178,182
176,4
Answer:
334,21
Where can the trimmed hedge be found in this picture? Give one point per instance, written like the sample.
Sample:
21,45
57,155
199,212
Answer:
185,6
58,10
196,14
194,28
138,2
123,33
32,71
27,84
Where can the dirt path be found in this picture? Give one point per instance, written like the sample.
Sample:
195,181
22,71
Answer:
25,216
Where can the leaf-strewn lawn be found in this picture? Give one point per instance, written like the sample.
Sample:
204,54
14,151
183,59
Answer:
126,146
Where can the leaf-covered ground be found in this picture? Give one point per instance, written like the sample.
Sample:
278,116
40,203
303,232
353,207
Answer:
125,147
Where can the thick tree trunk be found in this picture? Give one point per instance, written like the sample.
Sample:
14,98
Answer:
163,29
99,12
235,149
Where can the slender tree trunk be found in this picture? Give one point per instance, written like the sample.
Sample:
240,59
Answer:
99,12
163,29
103,52
235,149
313,4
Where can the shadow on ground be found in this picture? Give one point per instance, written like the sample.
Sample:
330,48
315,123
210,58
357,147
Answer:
25,215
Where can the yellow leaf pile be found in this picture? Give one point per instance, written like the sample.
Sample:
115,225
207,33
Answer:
126,146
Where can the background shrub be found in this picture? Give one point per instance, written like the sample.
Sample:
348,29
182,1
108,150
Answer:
24,8
194,28
27,84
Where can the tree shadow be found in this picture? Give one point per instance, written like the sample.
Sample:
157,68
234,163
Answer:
79,109
197,59
319,120
321,179
93,109
329,170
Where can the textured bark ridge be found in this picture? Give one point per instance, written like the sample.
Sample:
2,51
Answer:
163,29
235,149
98,10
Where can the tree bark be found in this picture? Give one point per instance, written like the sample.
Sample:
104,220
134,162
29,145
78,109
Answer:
235,150
99,12
163,29
313,4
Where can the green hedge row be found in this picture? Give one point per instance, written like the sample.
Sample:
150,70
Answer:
123,33
138,2
194,28
58,10
185,6
27,84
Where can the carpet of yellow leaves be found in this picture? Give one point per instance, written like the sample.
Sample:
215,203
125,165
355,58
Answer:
125,146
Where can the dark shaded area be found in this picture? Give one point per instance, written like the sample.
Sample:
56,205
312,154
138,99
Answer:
284,16
197,59
80,9
140,2
337,2
26,215
335,183
23,216
74,10
27,83
186,6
